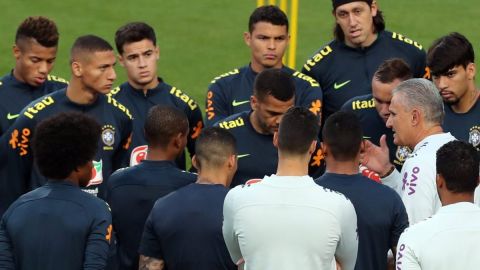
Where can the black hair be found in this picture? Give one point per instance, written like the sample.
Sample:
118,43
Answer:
39,28
213,147
449,51
393,69
274,82
90,44
343,134
64,142
164,123
271,14
298,128
133,32
458,163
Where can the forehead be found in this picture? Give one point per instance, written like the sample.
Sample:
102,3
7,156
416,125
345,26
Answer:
270,103
31,46
100,58
351,6
380,88
138,46
268,29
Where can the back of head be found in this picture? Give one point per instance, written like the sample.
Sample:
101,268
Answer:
41,29
458,163
393,69
274,82
163,123
213,147
378,20
343,135
64,142
270,14
87,45
298,129
423,95
449,51
133,32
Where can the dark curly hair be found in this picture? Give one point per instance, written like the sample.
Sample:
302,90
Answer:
63,142
42,29
134,32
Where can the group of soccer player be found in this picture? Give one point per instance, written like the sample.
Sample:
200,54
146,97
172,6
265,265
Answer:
365,159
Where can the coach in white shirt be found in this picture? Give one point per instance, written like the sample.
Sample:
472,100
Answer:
450,239
286,221
416,115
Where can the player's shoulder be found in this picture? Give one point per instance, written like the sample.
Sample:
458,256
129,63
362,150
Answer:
56,80
118,106
43,104
301,79
228,76
234,121
320,56
402,40
181,98
358,103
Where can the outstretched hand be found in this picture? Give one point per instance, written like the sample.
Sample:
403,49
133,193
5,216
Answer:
376,158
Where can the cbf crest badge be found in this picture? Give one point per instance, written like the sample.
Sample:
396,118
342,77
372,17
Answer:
402,154
108,137
474,136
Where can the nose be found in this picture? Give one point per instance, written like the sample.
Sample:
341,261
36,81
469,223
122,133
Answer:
441,82
271,44
112,75
142,62
389,122
43,67
352,21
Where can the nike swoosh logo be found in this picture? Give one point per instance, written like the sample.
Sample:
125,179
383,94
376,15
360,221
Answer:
12,116
242,156
238,103
338,86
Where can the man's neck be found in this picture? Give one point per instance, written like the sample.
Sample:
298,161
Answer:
341,167
80,95
257,67
212,176
452,198
155,154
145,87
292,165
466,102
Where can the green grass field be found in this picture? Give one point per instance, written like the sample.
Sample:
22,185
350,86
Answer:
201,39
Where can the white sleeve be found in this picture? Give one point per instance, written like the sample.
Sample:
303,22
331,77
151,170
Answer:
229,235
419,191
393,180
346,252
406,258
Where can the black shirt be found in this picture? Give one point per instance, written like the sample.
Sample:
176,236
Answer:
57,226
345,72
185,229
15,95
18,176
464,126
131,194
139,103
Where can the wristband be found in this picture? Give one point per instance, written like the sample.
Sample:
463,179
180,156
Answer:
389,172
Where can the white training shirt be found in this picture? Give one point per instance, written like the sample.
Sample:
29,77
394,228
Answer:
477,195
449,240
416,183
288,222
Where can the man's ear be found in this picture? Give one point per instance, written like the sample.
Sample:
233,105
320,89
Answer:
195,162
77,69
16,52
415,117
247,38
253,103
120,60
313,147
440,181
